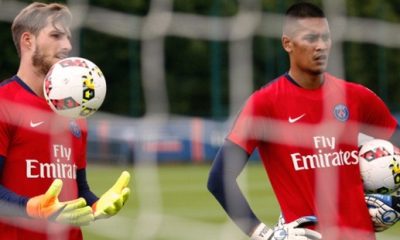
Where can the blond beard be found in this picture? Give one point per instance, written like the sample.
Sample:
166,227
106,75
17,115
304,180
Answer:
39,61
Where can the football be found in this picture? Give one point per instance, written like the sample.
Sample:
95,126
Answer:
75,87
379,162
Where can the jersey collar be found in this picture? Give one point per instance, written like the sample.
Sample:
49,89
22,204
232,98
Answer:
288,77
23,84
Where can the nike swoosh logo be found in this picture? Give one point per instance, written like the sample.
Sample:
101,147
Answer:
293,120
36,124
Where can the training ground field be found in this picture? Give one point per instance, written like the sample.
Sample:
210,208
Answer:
171,202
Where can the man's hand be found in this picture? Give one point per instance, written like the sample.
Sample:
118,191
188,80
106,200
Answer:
383,210
291,231
114,199
47,206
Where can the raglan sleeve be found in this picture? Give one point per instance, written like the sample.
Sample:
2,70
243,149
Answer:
247,128
376,116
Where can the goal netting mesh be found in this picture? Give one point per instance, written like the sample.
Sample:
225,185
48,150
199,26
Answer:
153,216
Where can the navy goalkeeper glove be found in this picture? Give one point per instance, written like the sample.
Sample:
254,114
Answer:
384,210
292,231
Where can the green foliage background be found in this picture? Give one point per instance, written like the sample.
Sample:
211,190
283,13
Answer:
189,62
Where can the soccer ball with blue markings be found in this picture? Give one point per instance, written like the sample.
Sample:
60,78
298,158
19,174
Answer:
75,87
379,162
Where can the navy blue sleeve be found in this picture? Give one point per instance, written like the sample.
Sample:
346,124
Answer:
227,166
11,204
83,187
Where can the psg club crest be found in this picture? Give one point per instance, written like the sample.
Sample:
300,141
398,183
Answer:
341,112
75,129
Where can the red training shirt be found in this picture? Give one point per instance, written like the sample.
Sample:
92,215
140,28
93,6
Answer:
39,146
307,140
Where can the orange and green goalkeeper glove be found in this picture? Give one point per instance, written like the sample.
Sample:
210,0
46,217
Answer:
47,206
114,199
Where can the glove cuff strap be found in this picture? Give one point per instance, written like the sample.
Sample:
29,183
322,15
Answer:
396,203
262,232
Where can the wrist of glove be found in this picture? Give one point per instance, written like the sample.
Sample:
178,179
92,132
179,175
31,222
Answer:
292,231
384,210
112,201
47,206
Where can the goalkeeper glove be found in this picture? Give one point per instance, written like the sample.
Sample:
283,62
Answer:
384,210
47,206
291,231
114,199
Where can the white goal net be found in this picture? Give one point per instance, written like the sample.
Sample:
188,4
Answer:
152,217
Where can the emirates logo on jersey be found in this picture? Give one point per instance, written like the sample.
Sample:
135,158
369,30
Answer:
326,155
61,167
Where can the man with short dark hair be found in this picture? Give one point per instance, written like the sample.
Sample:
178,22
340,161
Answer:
305,125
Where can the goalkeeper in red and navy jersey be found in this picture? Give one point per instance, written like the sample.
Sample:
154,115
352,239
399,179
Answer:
44,193
305,125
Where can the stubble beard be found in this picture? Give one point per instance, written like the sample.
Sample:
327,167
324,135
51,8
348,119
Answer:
318,70
40,62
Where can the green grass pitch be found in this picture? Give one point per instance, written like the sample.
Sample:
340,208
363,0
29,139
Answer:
171,202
